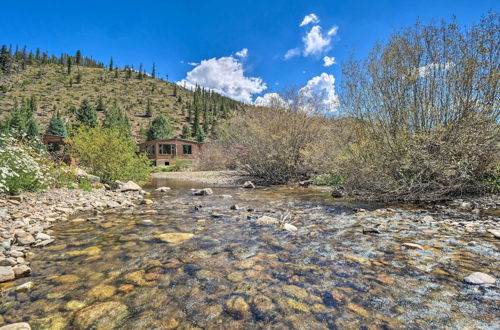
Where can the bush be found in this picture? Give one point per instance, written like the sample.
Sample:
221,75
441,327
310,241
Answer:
328,179
178,164
427,111
110,155
26,166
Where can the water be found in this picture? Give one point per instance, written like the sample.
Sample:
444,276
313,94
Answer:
116,272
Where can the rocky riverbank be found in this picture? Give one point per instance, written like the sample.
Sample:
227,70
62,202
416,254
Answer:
25,221
221,178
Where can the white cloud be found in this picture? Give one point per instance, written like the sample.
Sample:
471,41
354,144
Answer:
292,53
270,100
224,75
332,31
193,63
328,61
315,42
242,53
311,18
319,93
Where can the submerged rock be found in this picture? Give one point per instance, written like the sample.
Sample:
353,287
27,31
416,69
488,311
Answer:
479,278
203,192
413,246
106,315
266,220
162,189
289,227
237,306
102,292
25,286
174,238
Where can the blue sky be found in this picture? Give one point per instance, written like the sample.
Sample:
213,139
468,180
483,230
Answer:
175,33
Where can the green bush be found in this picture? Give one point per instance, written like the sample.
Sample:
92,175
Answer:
328,179
110,155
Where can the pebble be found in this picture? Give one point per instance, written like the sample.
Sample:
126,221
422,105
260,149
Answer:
266,220
289,227
479,278
495,232
162,189
25,286
203,192
413,246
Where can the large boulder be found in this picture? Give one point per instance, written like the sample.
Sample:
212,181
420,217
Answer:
81,174
128,186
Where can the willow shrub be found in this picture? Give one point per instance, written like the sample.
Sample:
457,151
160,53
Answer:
109,154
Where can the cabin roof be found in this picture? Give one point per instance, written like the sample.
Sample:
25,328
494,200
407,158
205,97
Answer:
173,139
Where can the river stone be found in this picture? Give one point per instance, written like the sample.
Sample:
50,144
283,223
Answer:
162,189
289,227
266,220
105,315
65,279
495,232
129,186
102,292
479,278
237,306
6,274
21,270
174,238
413,246
90,251
74,305
136,278
16,326
42,236
248,185
146,202
25,239
203,192
295,291
25,286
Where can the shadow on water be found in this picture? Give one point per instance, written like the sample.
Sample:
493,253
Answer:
203,262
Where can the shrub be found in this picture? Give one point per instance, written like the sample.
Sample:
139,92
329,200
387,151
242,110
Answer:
110,155
427,111
328,179
178,164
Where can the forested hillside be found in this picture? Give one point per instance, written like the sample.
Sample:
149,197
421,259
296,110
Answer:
59,84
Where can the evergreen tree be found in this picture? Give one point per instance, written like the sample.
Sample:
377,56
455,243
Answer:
78,78
116,72
56,127
86,114
140,75
100,104
78,57
116,118
69,65
149,109
21,121
111,64
199,134
32,131
153,71
186,132
5,60
160,129
175,90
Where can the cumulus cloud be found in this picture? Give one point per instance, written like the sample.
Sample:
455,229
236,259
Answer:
319,93
242,53
311,18
315,42
292,53
270,100
224,75
328,61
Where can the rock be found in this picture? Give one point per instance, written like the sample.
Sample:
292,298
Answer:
248,185
21,270
479,278
162,189
427,218
66,279
237,306
203,192
234,207
174,238
42,236
289,227
305,183
90,251
102,292
105,315
167,323
358,309
129,186
370,231
16,326
338,192
295,291
74,305
262,304
495,232
146,202
136,278
25,286
6,274
7,262
301,307
466,206
17,198
235,276
25,239
266,220
413,246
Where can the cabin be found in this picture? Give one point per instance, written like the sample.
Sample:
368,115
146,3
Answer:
53,142
161,152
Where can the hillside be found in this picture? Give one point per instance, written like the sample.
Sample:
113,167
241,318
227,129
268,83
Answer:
56,90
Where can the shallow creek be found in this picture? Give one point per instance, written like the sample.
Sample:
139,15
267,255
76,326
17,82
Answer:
114,271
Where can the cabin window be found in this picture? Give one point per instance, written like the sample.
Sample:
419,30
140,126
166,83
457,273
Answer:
187,149
167,149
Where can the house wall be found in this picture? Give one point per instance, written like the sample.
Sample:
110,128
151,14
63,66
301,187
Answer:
164,159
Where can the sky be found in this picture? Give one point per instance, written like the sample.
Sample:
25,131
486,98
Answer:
247,50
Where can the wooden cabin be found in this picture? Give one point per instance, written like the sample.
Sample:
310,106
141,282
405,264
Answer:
56,145
161,152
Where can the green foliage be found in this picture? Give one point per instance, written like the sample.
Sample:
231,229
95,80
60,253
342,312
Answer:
186,132
160,129
86,114
116,118
84,184
149,109
110,155
328,179
199,134
56,127
178,164
21,121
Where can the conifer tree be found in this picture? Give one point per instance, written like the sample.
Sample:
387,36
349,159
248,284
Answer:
175,90
32,131
111,64
199,134
116,72
100,104
186,132
78,57
69,65
149,109
86,114
56,126
153,71
5,60
160,129
116,118
139,75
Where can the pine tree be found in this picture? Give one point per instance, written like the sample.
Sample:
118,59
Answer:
32,131
116,118
5,60
153,71
86,114
111,64
139,75
175,90
116,72
160,129
78,57
199,134
149,109
78,78
186,132
69,65
100,104
56,127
